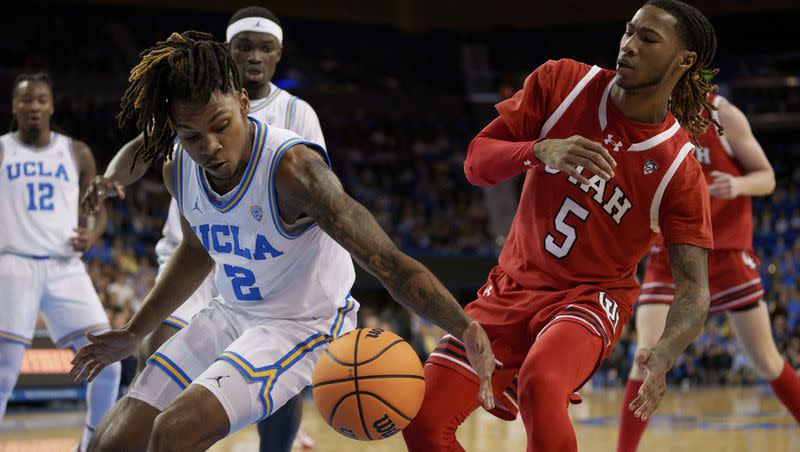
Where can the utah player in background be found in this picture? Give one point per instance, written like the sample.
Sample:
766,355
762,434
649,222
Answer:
276,223
255,40
608,167
41,237
736,169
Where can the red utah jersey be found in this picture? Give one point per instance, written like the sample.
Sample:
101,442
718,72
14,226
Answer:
732,219
566,234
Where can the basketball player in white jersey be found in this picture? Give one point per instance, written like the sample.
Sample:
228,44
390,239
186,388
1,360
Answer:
41,173
255,39
261,205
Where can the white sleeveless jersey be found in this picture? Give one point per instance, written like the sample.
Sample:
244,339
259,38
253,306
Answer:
280,109
38,197
261,264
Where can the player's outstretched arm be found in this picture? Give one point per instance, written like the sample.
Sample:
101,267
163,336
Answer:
184,273
759,177
306,185
684,323
117,176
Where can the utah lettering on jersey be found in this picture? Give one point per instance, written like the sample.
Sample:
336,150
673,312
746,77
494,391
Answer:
616,205
36,169
224,239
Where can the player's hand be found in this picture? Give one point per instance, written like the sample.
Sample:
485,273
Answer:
479,353
103,349
82,240
99,189
724,186
651,392
565,155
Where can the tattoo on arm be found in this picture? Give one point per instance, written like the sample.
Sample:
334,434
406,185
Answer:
316,191
690,306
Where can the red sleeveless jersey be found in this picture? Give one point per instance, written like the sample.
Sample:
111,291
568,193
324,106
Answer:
732,219
564,233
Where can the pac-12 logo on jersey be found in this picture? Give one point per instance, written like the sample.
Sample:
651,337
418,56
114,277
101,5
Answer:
257,212
650,166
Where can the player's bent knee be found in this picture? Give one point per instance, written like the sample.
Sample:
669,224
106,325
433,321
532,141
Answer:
194,421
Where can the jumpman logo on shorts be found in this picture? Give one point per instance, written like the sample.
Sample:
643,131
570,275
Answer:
197,205
219,378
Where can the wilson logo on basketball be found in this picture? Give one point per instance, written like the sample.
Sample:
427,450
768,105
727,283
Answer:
374,333
385,426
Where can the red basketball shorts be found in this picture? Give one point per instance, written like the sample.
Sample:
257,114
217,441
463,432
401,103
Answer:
514,317
733,279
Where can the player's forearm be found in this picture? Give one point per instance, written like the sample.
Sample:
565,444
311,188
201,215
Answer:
183,274
119,169
98,222
757,183
689,308
494,156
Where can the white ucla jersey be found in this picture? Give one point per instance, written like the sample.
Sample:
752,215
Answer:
280,109
261,263
38,197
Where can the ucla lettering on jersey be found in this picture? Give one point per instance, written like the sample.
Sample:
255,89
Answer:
275,269
39,202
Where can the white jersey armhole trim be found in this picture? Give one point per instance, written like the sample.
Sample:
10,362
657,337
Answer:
662,186
602,115
715,116
553,119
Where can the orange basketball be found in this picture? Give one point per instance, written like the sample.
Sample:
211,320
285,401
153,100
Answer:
368,384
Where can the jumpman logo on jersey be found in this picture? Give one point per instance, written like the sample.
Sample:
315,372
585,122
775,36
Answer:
197,206
217,379
610,140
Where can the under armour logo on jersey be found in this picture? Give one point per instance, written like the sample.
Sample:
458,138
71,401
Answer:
488,291
528,163
650,167
257,212
197,206
610,140
748,260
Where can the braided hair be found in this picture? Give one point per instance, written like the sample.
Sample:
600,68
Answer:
690,96
187,67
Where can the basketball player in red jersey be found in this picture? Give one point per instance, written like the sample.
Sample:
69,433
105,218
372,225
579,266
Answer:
608,166
736,169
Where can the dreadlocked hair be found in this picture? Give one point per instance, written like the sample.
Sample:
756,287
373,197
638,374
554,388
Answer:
690,97
41,77
187,67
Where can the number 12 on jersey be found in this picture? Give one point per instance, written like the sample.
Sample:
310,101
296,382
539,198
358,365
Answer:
44,196
560,223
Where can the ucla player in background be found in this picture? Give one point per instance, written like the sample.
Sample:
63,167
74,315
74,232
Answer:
261,205
41,240
255,40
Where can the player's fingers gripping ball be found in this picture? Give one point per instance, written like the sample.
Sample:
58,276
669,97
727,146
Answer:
368,384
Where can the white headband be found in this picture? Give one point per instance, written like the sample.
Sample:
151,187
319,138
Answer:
257,24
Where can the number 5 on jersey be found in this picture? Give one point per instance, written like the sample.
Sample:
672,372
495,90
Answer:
561,225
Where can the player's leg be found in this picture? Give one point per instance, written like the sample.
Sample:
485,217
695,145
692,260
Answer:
194,421
10,362
278,431
562,358
752,328
168,373
71,309
20,280
450,397
650,321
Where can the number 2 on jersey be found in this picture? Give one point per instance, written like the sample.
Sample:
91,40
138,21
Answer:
561,225
45,196
243,281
